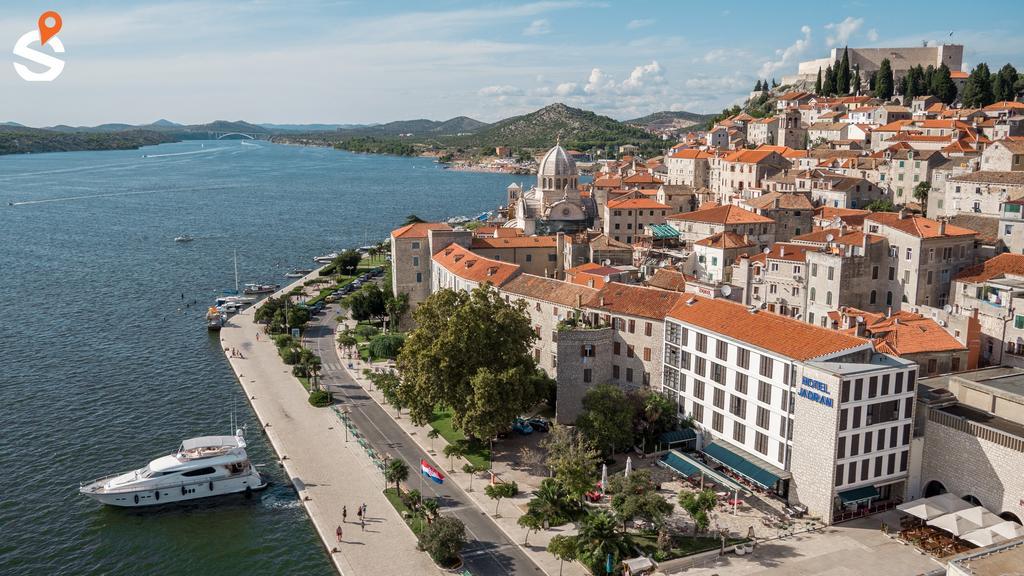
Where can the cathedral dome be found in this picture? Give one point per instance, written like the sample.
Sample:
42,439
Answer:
557,162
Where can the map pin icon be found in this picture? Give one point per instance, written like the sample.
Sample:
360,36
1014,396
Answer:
49,26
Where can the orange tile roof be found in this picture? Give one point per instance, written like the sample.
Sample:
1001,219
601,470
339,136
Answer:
894,126
473,267
418,230
691,153
916,225
608,182
641,178
958,74
784,251
854,238
1005,263
784,200
668,279
643,203
728,214
748,156
785,151
633,300
784,336
548,290
516,242
725,240
904,333
1005,105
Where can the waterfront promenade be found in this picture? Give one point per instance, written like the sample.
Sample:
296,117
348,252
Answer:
327,471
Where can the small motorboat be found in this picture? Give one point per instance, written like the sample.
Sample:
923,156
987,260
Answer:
260,288
201,467
326,258
298,273
183,238
214,319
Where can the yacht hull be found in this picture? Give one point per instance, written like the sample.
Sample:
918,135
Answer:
138,498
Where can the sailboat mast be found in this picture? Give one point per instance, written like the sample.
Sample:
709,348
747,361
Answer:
236,271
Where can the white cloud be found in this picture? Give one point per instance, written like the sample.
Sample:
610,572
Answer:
566,89
788,55
641,23
842,31
872,35
643,75
728,83
719,55
538,27
597,81
500,90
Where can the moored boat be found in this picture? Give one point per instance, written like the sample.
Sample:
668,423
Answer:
326,258
214,319
183,238
201,467
260,288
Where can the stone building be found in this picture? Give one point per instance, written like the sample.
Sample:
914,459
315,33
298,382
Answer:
537,255
700,224
847,269
869,60
774,280
792,212
982,192
554,204
410,261
994,290
627,218
713,256
689,167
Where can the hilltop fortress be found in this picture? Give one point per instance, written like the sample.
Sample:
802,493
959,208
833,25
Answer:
869,60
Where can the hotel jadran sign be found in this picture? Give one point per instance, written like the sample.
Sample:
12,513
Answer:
816,391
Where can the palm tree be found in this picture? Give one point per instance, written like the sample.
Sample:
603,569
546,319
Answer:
396,306
471,469
549,501
397,471
531,523
499,491
454,450
430,507
433,434
564,548
598,538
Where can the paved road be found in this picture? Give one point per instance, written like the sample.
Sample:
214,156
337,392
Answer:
488,551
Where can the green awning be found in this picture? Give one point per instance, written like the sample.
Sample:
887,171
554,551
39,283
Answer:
862,494
680,465
663,231
677,436
741,465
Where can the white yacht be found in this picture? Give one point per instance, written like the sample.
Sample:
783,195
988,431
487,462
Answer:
202,467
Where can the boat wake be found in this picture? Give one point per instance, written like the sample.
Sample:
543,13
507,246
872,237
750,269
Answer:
202,151
114,194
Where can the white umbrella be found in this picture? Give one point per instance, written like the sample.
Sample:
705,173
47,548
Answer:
980,516
604,477
984,537
1008,529
950,502
954,524
629,465
923,508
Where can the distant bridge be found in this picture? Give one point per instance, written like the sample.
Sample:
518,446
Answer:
250,136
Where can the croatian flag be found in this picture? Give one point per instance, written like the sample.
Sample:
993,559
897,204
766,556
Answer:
431,472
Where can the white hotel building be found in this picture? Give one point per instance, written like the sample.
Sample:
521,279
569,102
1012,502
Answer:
816,416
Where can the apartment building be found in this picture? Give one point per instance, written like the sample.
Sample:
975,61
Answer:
410,260
537,255
627,218
1003,156
982,192
700,224
792,212
847,268
904,169
713,256
742,171
775,279
823,419
995,290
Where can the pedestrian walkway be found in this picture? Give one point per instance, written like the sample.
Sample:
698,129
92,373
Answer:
327,472
511,508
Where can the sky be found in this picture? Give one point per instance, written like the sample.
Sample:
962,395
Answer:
324,61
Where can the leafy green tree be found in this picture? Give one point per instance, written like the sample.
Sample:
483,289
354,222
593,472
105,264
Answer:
653,415
386,345
1003,83
572,459
501,490
347,262
817,83
921,191
978,88
368,303
597,539
443,539
396,306
881,205
884,83
413,219
346,340
387,382
531,523
607,418
471,353
843,74
697,505
942,85
457,449
564,548
396,471
552,503
828,86
472,470
634,496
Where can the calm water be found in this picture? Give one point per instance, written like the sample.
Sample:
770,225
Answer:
102,366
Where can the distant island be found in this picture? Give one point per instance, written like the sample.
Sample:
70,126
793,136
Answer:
459,139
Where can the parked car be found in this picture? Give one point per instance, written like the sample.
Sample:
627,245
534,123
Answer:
522,427
539,424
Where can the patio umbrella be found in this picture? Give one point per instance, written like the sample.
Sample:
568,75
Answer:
604,477
1008,529
980,516
984,537
629,465
956,524
923,508
951,502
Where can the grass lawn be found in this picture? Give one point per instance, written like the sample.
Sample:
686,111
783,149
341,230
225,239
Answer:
304,381
479,452
688,545
415,523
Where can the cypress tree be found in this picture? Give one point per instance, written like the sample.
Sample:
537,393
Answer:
943,86
884,80
828,87
843,74
978,89
774,83
817,83
1002,83
757,87
855,86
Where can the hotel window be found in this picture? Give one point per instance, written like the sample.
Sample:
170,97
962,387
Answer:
858,389
683,336
718,373
906,433
764,392
647,354
684,360
698,365
854,444
763,418
856,417
717,422
698,389
842,419
903,460
702,342
841,448
851,475
784,429
894,436
898,388
741,383
885,384
839,474
718,398
739,432
844,394
864,469
615,371
761,443
910,381
632,326
878,466
721,350
880,443
873,386
891,468
698,412
867,442
743,357
738,406
766,366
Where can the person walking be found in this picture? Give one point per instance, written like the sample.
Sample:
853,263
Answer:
344,514
362,523
338,532
364,509
359,512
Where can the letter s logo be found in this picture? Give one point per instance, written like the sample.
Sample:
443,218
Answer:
54,66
